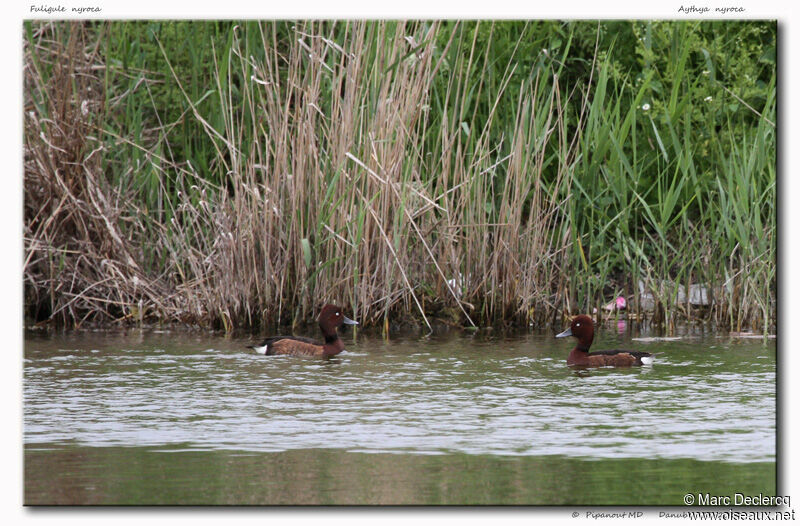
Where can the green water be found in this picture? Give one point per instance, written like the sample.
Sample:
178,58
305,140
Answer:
173,418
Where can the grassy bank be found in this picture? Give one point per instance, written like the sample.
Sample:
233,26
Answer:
235,175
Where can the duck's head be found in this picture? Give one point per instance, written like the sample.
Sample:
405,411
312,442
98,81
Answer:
582,328
333,317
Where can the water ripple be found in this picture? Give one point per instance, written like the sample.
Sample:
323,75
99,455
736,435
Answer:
425,397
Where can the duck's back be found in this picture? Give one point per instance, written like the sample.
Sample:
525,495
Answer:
294,345
619,358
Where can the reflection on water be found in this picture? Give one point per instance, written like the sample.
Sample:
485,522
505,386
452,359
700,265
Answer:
117,475
506,409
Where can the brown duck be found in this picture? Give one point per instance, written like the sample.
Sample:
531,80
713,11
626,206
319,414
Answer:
329,319
583,329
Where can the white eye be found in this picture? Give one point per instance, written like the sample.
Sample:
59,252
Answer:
336,314
577,324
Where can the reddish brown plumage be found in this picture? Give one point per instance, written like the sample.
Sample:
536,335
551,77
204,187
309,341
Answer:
295,347
620,359
330,318
582,328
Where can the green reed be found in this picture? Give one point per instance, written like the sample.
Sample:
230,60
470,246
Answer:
470,172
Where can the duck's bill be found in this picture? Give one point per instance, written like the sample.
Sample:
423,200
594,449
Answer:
564,334
348,321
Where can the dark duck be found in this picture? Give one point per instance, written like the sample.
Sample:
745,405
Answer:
330,319
583,329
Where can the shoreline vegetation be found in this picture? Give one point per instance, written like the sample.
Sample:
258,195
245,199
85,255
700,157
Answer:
240,175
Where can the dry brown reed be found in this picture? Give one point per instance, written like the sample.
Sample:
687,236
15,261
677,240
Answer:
323,187
339,205
78,262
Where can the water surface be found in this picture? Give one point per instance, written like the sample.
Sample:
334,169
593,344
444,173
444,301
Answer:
177,418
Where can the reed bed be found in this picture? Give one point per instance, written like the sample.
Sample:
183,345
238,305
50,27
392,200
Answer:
412,171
